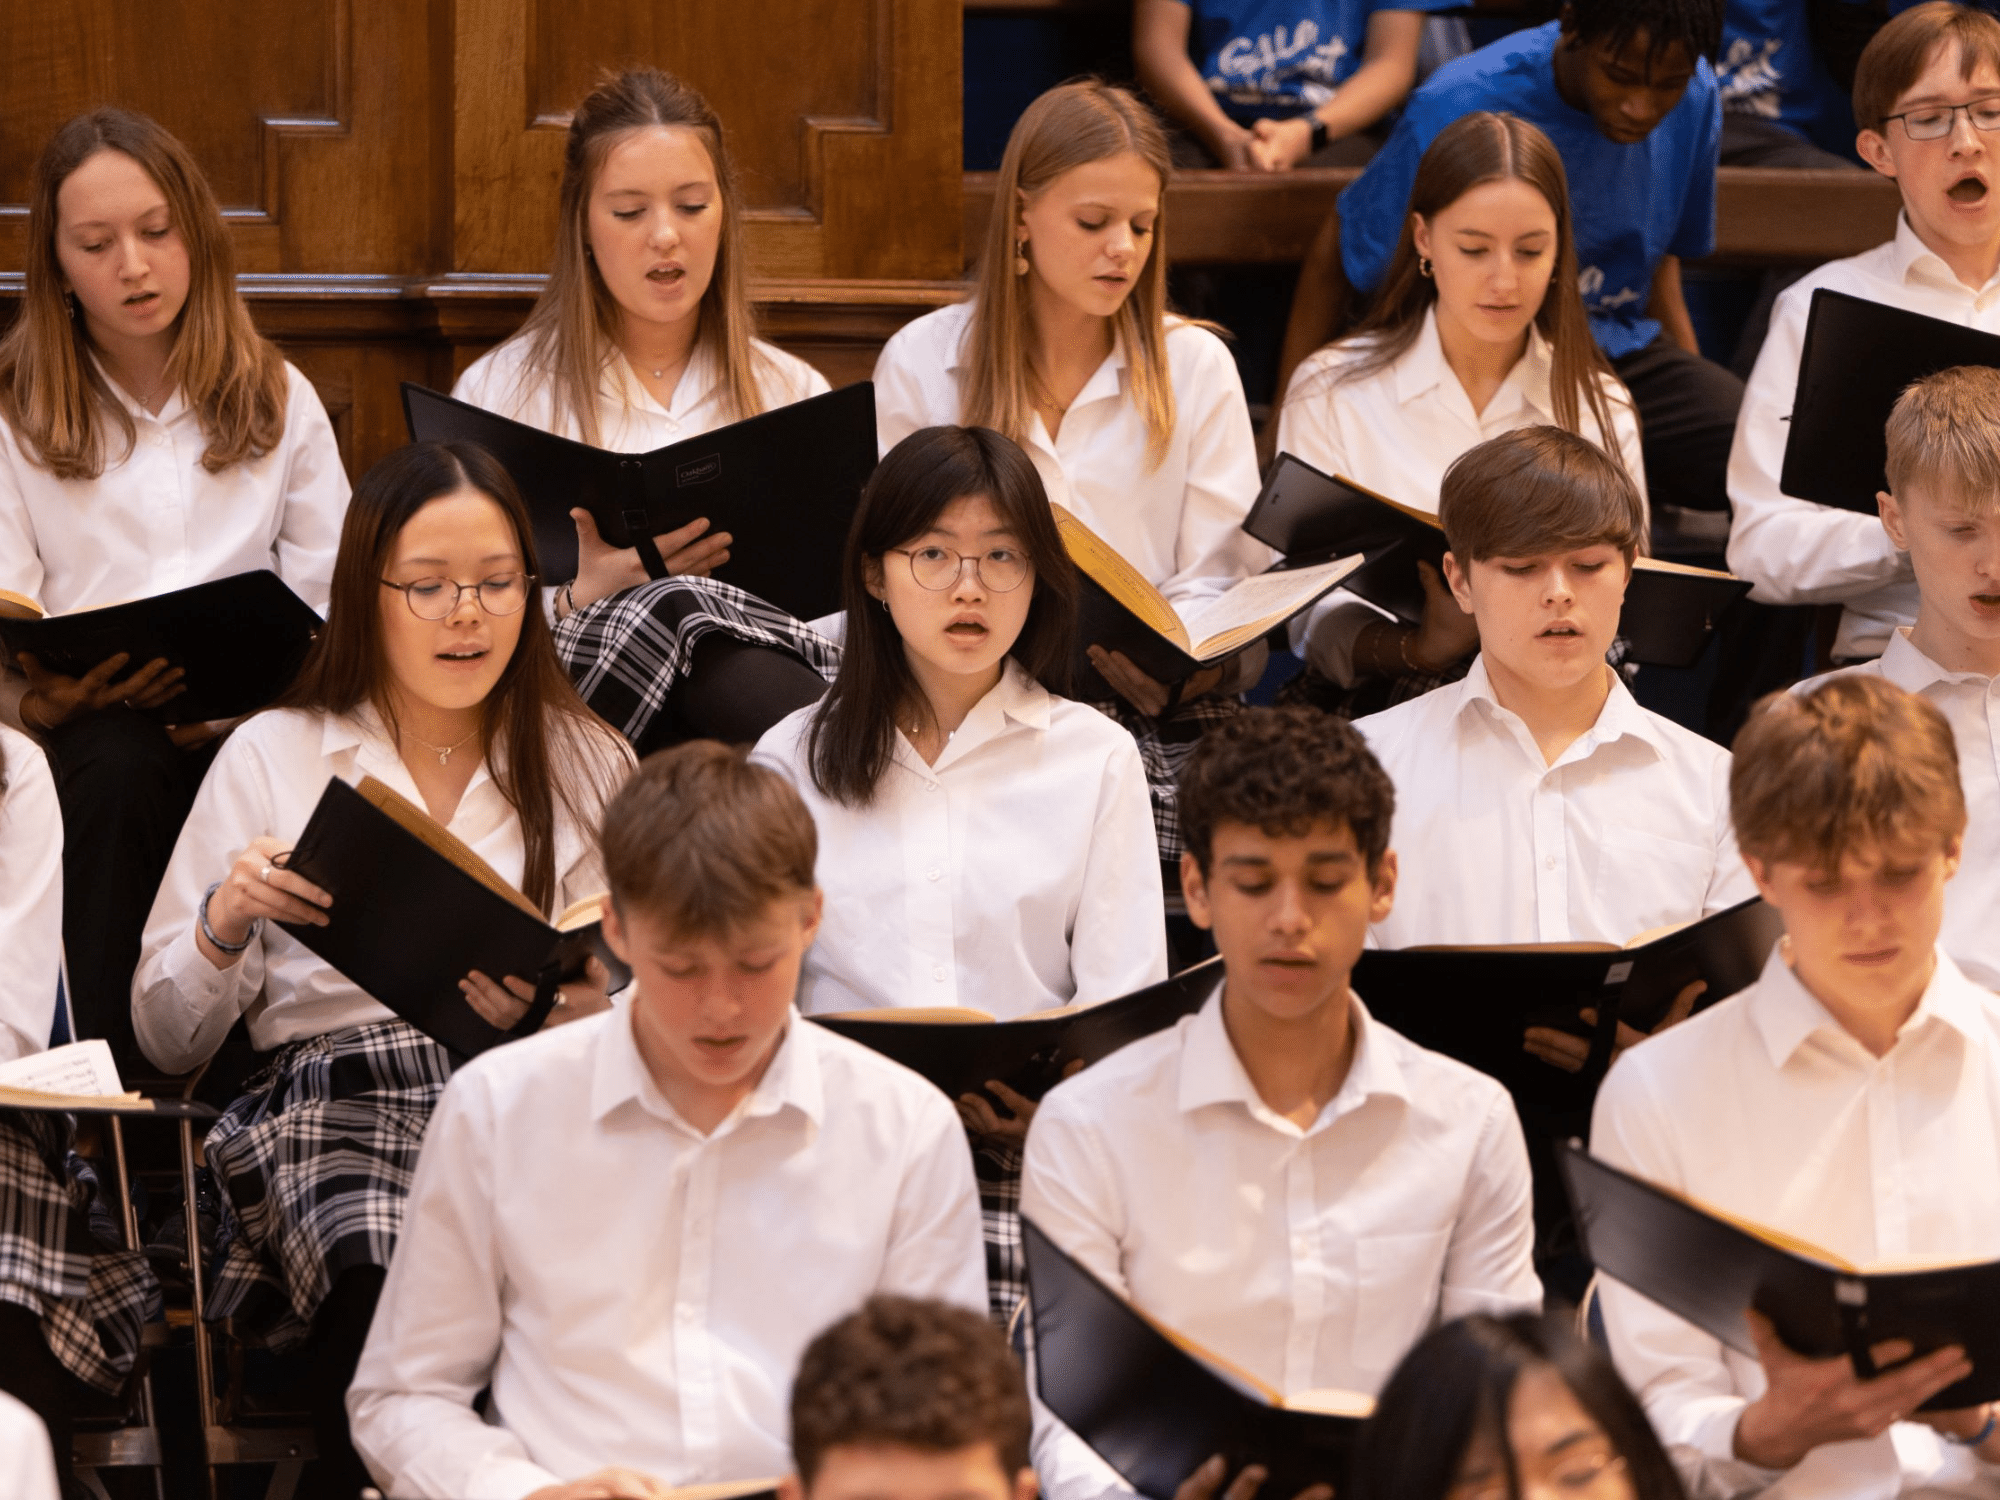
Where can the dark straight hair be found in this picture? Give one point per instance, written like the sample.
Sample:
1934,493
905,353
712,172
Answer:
853,732
531,706
1458,1383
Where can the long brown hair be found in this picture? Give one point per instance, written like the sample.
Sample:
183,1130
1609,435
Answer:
853,733
573,329
51,391
531,708
1475,149
1069,126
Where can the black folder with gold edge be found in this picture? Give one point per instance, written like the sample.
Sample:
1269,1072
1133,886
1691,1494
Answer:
1709,1267
783,483
415,910
959,1050
1475,1004
239,641
1670,608
1857,358
1156,1406
1121,611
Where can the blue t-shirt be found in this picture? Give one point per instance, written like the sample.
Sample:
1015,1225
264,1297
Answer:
1272,59
1631,205
1768,67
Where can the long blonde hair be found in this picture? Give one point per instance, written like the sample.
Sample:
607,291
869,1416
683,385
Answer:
1068,127
1473,150
573,329
52,392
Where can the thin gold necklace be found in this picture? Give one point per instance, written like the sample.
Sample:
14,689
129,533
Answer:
442,752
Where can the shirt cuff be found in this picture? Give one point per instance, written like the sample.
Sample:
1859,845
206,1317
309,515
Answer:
504,1477
1710,1423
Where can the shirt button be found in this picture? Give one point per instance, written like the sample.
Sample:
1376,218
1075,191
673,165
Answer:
1550,861
933,874
937,973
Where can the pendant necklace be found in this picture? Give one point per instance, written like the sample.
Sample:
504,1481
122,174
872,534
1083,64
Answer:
443,752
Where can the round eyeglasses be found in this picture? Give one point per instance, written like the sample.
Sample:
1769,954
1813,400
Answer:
437,598
1002,570
1934,121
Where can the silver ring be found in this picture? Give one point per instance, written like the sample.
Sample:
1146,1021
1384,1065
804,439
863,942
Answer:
265,874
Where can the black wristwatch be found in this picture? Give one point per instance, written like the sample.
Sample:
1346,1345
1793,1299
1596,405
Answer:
1318,133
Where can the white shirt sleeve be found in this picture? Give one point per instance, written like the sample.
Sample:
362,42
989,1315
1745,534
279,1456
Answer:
1679,1373
1071,1193
1119,943
182,1005
1489,1266
31,909
1794,551
1212,550
20,552
315,496
27,1462
904,386
937,1246
437,1329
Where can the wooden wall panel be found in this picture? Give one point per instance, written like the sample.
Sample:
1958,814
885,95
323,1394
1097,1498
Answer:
311,120
844,113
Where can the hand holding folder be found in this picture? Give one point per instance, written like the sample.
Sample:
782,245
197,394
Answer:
413,912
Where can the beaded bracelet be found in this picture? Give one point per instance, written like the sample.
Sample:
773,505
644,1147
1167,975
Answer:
201,916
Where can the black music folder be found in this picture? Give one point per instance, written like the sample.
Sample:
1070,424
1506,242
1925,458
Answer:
1156,1406
239,640
414,911
783,483
1475,1004
960,1049
1858,357
1709,1267
1670,608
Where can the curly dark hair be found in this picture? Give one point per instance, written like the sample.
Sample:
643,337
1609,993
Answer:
1283,770
914,1373
1695,24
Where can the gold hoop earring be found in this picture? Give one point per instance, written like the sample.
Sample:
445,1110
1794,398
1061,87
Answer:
1021,256
1424,266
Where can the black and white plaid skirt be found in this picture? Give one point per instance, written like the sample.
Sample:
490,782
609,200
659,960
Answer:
1165,742
315,1161
93,1298
626,652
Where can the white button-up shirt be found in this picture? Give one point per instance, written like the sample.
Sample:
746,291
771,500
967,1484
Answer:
266,780
1627,831
629,418
1179,523
31,907
1018,873
637,1293
1312,1258
1397,430
27,1463
1971,705
1794,551
155,520
1765,1107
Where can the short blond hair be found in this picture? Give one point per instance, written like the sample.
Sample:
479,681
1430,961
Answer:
1944,434
1850,766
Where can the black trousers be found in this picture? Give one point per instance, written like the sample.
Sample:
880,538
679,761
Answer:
125,790
734,690
32,1374
1687,420
332,1350
1748,141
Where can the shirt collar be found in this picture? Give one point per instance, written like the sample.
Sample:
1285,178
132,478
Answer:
1905,664
1914,260
1786,1014
1423,368
361,733
1212,1073
621,383
1104,380
621,1077
175,406
1015,699
1621,716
